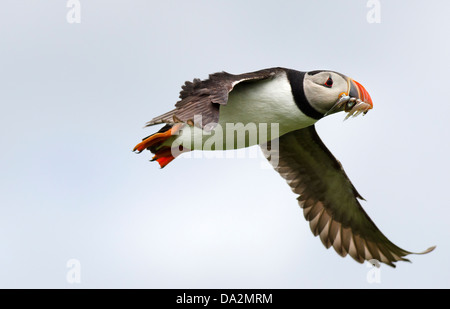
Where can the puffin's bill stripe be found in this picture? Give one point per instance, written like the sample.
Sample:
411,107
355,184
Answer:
363,94
358,91
296,81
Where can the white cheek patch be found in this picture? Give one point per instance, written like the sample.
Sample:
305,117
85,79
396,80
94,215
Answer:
323,98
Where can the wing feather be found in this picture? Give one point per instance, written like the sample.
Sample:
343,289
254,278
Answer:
204,97
329,200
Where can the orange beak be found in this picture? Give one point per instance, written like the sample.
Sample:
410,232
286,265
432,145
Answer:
358,91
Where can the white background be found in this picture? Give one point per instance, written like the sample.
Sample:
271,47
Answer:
74,99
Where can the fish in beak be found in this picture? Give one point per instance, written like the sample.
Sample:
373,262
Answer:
354,102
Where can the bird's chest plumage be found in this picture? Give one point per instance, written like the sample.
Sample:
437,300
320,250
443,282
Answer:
264,102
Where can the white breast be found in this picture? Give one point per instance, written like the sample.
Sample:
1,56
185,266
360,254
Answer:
264,102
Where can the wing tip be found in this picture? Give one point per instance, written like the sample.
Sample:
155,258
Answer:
427,250
403,259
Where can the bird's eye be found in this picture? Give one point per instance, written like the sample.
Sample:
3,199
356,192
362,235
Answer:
328,83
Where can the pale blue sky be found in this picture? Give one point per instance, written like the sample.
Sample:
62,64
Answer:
75,97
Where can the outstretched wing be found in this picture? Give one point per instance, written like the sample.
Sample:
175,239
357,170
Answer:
328,198
204,97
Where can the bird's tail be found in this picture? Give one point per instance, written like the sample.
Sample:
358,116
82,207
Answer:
163,154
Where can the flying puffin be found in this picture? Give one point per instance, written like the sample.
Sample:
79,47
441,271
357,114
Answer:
295,101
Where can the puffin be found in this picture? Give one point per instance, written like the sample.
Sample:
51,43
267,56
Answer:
277,108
